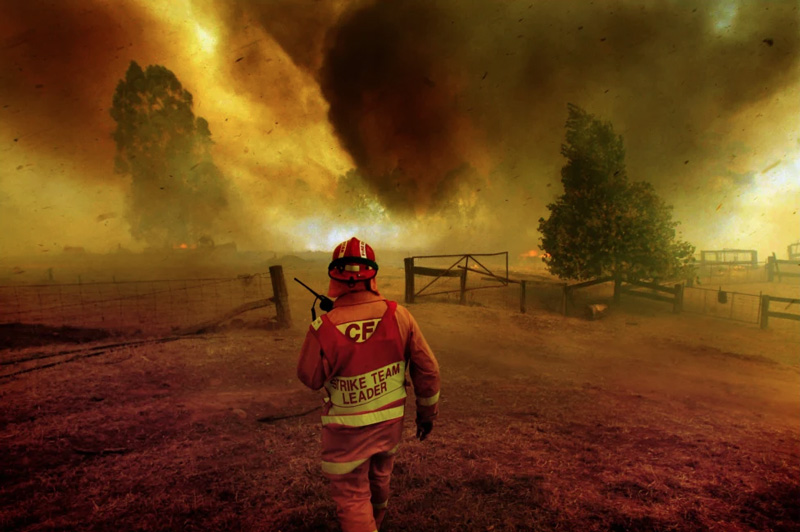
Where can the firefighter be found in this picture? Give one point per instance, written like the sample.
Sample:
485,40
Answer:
360,352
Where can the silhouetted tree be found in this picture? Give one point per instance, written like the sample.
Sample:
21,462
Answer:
176,189
603,224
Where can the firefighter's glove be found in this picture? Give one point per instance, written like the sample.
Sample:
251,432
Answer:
423,429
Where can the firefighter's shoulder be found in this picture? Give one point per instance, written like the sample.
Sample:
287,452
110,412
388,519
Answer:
403,311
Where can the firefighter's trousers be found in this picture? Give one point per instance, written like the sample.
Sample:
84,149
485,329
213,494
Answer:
361,495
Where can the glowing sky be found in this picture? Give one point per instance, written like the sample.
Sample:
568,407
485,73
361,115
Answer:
453,111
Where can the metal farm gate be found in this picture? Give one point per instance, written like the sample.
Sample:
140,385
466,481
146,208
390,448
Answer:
720,303
457,270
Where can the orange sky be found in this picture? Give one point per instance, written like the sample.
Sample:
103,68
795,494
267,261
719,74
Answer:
454,114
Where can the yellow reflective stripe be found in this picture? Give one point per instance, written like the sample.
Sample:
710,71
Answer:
380,505
362,420
341,468
394,449
363,390
428,401
381,401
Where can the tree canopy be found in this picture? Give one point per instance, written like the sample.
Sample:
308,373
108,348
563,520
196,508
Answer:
177,191
603,224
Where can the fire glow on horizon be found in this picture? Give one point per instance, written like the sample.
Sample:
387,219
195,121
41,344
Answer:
458,145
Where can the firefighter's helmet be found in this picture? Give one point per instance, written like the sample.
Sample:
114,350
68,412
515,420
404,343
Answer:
353,261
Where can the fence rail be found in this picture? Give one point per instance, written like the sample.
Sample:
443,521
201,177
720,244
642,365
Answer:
766,313
729,256
459,269
555,296
782,268
655,293
793,251
726,273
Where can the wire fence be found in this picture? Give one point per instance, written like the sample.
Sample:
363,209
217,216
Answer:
133,306
734,306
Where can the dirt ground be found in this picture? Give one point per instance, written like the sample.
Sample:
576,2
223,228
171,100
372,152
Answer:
641,421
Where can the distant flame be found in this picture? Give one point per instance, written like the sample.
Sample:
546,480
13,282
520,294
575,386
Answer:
534,253
184,246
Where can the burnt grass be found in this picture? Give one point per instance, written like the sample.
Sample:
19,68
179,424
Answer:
166,437
18,335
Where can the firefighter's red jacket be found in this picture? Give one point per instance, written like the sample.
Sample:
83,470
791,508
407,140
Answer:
360,352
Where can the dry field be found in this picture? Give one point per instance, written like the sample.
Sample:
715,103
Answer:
641,421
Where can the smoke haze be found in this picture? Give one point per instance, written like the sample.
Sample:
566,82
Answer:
412,124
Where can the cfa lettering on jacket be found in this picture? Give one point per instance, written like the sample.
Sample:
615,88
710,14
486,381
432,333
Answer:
360,331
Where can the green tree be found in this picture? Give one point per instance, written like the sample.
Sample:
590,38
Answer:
604,225
177,192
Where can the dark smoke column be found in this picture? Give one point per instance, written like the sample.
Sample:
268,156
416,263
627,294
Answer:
396,109
176,190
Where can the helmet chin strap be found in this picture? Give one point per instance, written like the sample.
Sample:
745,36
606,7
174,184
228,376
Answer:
352,283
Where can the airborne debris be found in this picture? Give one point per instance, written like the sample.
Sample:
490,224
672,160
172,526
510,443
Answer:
768,42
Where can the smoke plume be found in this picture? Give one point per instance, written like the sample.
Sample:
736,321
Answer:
418,90
449,115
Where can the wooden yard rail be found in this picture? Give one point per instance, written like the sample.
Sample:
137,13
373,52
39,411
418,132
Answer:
780,268
766,313
568,289
729,257
674,294
793,251
456,269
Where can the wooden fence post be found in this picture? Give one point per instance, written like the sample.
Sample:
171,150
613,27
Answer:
409,265
677,306
764,311
617,288
776,267
281,296
523,299
770,268
564,298
462,299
